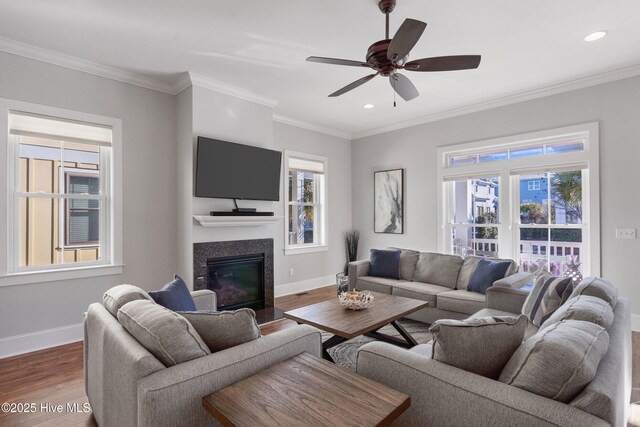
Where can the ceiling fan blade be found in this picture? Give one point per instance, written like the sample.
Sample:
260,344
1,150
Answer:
353,85
405,39
403,87
444,63
335,61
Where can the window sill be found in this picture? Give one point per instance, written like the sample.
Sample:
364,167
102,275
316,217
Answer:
71,273
305,249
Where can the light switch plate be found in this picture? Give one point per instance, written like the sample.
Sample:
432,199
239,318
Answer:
625,233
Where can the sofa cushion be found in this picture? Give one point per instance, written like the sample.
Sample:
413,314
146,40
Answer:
546,296
482,345
583,307
558,361
486,273
384,263
224,329
439,269
418,290
460,301
116,297
425,350
469,266
175,296
491,312
164,333
408,261
597,287
377,284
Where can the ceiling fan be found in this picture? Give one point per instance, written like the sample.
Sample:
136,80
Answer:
388,56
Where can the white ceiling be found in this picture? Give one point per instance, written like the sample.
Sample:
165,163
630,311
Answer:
262,45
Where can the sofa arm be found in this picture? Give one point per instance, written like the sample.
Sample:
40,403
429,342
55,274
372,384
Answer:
173,396
516,281
505,299
357,269
205,299
448,396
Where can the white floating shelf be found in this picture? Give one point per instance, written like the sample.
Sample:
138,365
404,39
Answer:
235,221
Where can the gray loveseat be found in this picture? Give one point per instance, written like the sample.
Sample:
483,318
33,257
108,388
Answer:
127,386
440,279
443,395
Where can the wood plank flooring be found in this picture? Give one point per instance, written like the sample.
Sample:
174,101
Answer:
56,376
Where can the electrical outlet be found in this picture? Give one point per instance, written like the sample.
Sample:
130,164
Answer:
625,233
291,272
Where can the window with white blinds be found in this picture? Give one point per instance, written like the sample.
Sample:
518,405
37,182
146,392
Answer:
61,198
305,212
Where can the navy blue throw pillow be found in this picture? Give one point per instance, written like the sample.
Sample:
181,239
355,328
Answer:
486,273
384,263
175,296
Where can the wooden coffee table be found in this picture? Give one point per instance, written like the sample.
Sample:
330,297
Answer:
303,391
344,324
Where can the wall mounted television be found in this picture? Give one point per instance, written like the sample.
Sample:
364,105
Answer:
227,170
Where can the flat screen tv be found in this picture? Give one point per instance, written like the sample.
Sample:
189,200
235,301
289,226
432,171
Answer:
227,170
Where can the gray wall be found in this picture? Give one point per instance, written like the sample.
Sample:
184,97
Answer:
338,152
614,105
149,214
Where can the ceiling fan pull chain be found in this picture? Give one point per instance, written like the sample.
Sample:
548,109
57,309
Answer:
394,95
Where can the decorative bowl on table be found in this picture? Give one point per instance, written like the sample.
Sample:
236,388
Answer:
355,300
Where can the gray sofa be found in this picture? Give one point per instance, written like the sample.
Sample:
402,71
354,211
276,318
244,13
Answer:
443,395
127,386
440,279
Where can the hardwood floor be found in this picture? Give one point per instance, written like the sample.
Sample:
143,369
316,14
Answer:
55,376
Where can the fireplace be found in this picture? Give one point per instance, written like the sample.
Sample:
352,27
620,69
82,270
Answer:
233,271
238,281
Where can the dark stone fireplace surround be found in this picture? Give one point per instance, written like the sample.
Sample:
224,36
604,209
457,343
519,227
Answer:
205,251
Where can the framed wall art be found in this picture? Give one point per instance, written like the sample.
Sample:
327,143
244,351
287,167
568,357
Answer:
388,209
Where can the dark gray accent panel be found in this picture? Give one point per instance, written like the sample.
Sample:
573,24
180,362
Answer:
204,251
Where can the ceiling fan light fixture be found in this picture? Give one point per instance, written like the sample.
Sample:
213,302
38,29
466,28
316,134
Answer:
368,106
595,36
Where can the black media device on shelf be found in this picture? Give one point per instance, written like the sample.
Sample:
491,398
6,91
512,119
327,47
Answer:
240,213
226,170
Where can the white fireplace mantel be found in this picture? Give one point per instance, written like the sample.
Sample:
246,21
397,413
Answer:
235,221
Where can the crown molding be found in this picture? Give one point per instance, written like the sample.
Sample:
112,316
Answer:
227,89
310,126
579,83
101,70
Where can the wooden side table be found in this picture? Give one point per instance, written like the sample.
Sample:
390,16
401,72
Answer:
306,391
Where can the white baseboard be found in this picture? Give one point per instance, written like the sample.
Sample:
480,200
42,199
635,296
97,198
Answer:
26,343
635,322
304,285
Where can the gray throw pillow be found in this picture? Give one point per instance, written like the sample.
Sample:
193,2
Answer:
599,288
558,361
224,329
546,296
583,307
480,345
118,296
164,333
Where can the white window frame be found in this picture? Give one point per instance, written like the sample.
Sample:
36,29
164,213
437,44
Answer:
533,185
111,213
509,213
320,217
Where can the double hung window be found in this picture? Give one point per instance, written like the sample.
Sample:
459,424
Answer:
61,207
305,213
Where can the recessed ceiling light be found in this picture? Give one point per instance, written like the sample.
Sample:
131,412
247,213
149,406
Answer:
368,106
595,36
